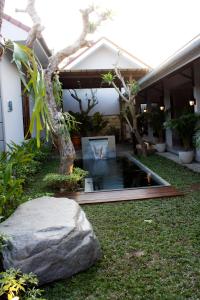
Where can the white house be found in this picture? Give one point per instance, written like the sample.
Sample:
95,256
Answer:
14,109
84,72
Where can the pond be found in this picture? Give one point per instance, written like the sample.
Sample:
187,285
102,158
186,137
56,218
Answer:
116,174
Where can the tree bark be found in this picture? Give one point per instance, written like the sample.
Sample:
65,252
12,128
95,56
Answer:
65,145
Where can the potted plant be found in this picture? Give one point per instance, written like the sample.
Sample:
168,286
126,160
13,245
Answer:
98,123
197,143
75,131
185,127
156,118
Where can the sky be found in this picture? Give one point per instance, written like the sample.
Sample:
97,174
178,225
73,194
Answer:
152,30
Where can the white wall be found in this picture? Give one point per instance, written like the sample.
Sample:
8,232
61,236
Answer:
108,101
11,90
105,58
12,32
1,128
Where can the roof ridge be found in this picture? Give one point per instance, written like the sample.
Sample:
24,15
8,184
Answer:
111,42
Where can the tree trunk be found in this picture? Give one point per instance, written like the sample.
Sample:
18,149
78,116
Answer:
65,145
141,142
138,136
67,154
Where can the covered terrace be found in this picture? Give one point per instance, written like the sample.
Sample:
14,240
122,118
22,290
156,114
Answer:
174,85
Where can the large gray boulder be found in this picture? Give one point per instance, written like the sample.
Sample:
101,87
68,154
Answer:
50,237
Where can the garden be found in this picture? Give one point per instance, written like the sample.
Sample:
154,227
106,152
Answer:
150,248
61,250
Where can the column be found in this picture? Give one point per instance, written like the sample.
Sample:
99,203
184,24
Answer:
196,93
150,129
168,131
196,87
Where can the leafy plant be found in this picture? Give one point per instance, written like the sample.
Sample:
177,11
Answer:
112,130
13,283
98,123
57,90
17,166
197,138
10,186
185,127
32,77
3,241
156,119
70,182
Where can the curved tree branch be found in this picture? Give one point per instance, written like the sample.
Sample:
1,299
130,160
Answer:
37,27
81,42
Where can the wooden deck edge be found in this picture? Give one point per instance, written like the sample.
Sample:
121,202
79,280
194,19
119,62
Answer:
123,195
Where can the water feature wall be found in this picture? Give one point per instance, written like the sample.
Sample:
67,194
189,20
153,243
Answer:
98,147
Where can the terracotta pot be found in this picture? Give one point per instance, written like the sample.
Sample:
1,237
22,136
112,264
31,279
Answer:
76,140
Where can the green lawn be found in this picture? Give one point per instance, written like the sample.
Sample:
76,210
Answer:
167,231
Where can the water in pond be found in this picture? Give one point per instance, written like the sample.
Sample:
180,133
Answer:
115,173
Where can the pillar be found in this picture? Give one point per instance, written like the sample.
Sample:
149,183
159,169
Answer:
196,93
150,129
168,131
196,86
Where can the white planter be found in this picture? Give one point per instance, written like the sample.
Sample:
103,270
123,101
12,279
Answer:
197,156
160,147
186,157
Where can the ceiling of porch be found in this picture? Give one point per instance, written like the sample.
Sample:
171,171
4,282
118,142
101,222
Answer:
76,79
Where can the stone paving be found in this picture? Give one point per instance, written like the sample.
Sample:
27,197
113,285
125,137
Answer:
194,166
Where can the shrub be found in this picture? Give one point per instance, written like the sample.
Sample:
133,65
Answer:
38,155
13,283
185,126
70,182
17,166
10,186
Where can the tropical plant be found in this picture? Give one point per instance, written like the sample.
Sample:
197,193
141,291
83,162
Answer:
70,182
84,121
197,138
13,283
82,126
185,126
156,119
128,99
38,83
17,165
11,189
98,123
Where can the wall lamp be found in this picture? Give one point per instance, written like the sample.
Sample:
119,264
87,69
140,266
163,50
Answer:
162,108
192,102
143,107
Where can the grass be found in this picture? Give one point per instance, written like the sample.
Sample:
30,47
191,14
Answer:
167,232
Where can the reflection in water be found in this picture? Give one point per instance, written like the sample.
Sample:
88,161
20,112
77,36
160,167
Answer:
115,173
